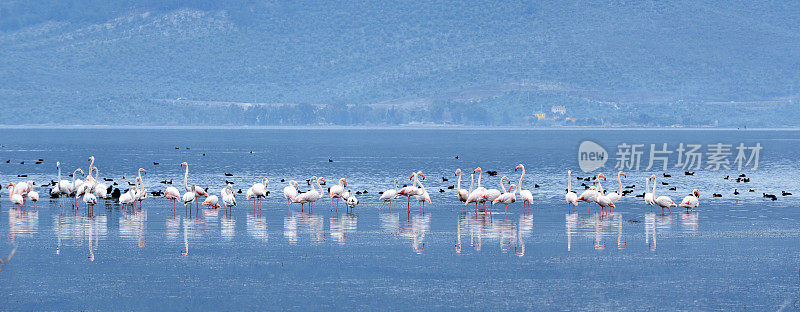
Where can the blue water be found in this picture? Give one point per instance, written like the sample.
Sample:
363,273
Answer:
735,252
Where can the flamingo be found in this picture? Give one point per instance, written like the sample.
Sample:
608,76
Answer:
62,187
172,194
81,188
663,201
260,191
613,195
129,197
589,196
422,195
189,196
491,194
250,194
649,199
336,192
462,193
571,197
290,191
14,196
143,192
34,197
602,199
412,190
99,188
352,202
90,180
89,200
228,197
22,188
525,195
199,191
476,195
508,197
388,196
691,201
212,200
311,196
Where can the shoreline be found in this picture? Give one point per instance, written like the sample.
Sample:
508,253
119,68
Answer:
404,127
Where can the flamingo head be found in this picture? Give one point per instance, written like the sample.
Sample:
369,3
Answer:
91,158
421,175
79,170
344,181
623,174
458,171
10,185
184,164
477,170
520,166
58,164
142,170
602,176
505,178
696,193
652,177
321,179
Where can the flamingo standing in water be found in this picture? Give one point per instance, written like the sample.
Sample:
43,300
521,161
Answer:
311,196
525,195
508,197
422,195
388,196
212,201
188,197
691,201
412,190
15,198
290,191
571,197
462,193
172,194
62,187
649,198
663,201
260,191
336,192
589,196
477,194
34,197
613,195
199,191
228,197
100,189
81,189
250,194
89,200
602,199
491,194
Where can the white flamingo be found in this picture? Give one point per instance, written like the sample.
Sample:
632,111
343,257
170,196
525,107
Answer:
311,196
422,195
477,194
62,187
228,197
260,191
571,197
649,199
211,200
602,199
188,197
172,194
13,196
525,195
691,201
290,191
336,191
389,195
199,191
34,197
613,195
412,190
589,196
662,201
491,194
462,193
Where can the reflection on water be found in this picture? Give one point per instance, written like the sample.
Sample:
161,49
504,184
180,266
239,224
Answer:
22,222
257,227
79,229
132,225
690,222
597,227
415,230
304,223
227,227
341,226
173,225
484,226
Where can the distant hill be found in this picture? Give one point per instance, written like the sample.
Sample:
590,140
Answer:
618,63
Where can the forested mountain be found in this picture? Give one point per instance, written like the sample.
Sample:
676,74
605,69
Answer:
637,63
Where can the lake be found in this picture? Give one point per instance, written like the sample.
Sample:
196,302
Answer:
734,252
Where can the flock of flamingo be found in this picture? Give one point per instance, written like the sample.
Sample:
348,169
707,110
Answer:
93,189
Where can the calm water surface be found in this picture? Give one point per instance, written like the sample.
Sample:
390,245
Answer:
736,252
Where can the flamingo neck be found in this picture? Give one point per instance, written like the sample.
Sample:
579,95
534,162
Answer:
569,181
471,182
619,178
459,181
654,187
59,172
522,176
186,178
91,165
480,173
